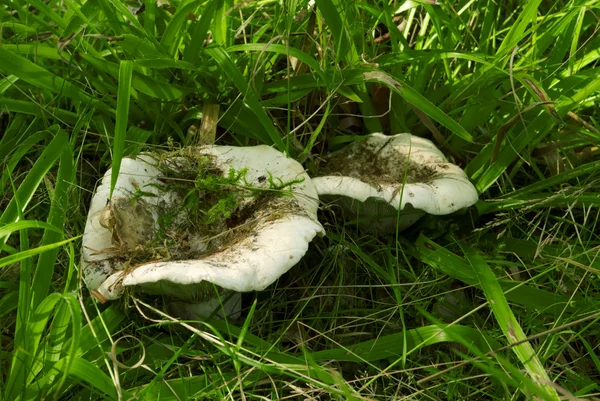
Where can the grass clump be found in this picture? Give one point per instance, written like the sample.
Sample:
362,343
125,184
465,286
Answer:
206,195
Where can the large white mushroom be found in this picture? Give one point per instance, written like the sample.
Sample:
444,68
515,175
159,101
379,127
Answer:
149,237
389,182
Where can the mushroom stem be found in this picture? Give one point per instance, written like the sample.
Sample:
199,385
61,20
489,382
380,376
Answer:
207,133
228,305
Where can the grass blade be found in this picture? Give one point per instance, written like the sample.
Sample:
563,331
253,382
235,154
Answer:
36,109
172,34
520,293
123,95
223,59
517,31
192,53
284,51
19,256
34,178
222,22
392,346
344,46
509,324
124,11
40,77
147,85
25,224
24,356
18,153
575,40
56,217
418,101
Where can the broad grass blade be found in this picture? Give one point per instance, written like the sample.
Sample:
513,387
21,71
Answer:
509,324
123,95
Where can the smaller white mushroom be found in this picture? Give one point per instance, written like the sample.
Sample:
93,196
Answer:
159,232
389,182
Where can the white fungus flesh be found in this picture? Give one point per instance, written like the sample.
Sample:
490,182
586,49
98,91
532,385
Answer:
264,233
391,181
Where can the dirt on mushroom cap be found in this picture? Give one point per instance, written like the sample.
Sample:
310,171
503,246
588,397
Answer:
376,164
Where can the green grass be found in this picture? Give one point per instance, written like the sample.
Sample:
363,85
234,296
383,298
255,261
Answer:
499,302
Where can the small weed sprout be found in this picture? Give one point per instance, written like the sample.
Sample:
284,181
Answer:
277,184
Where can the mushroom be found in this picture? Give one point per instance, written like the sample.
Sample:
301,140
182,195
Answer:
389,182
187,223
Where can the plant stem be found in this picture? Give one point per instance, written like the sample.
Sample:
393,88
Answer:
207,133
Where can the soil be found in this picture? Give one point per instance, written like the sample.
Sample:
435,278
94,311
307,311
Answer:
376,164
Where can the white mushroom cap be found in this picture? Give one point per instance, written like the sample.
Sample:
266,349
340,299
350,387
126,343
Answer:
279,236
98,258
407,172
250,265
